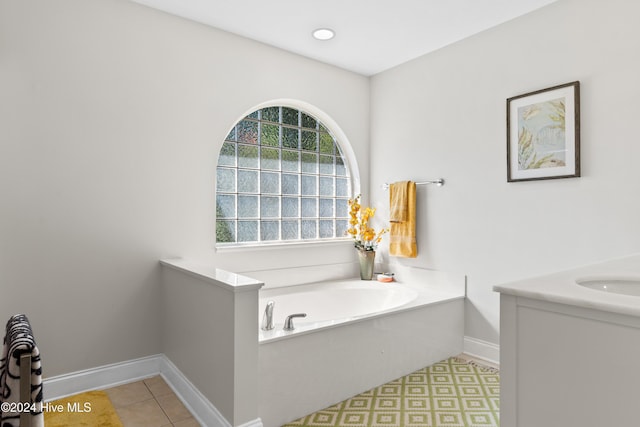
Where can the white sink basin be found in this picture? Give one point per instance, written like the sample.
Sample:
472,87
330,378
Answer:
613,285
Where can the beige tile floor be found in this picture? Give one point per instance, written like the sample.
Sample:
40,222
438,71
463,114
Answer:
150,403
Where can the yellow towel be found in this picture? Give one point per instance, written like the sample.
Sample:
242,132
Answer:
398,198
402,236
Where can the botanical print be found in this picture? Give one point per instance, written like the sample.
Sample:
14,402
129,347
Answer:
541,135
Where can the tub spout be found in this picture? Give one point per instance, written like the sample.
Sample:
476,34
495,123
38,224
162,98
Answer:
288,323
267,318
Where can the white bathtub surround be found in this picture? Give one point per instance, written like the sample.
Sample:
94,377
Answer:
301,275
336,353
211,335
210,318
566,349
278,277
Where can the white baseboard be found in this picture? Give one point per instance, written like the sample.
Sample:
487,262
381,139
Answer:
201,408
101,377
482,349
134,370
255,423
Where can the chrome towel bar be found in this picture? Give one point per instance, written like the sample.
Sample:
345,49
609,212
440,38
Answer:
439,182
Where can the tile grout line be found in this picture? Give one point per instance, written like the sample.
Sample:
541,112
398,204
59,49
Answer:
171,422
151,397
158,403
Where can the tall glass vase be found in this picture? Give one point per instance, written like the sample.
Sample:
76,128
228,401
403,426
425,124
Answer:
366,259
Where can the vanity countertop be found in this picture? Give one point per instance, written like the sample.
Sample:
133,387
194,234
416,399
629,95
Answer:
562,288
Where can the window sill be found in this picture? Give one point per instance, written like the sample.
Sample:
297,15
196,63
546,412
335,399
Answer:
239,247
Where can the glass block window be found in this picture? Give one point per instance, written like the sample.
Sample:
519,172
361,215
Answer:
281,177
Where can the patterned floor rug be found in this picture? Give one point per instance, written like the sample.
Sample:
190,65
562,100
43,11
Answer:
451,393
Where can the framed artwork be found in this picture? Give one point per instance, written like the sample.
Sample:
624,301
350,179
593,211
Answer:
543,134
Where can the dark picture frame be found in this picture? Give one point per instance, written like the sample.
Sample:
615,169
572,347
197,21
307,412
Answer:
543,134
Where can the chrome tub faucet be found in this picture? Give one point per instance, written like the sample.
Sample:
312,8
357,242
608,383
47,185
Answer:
288,323
267,317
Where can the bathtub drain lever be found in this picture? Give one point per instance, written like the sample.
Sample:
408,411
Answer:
288,323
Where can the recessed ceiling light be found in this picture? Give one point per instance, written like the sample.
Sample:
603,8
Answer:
323,34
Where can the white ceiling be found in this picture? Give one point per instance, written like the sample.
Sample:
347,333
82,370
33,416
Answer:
371,35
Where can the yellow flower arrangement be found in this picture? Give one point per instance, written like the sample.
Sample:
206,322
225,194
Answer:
365,237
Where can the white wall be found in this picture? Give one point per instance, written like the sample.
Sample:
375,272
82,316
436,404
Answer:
443,115
111,118
112,115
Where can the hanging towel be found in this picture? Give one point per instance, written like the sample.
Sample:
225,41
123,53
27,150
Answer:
402,236
398,194
18,341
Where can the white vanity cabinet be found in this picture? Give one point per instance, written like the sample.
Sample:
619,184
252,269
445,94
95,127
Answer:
568,354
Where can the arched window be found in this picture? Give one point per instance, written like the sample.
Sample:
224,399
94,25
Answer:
281,177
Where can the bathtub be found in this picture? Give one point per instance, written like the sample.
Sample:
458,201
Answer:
329,304
357,335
